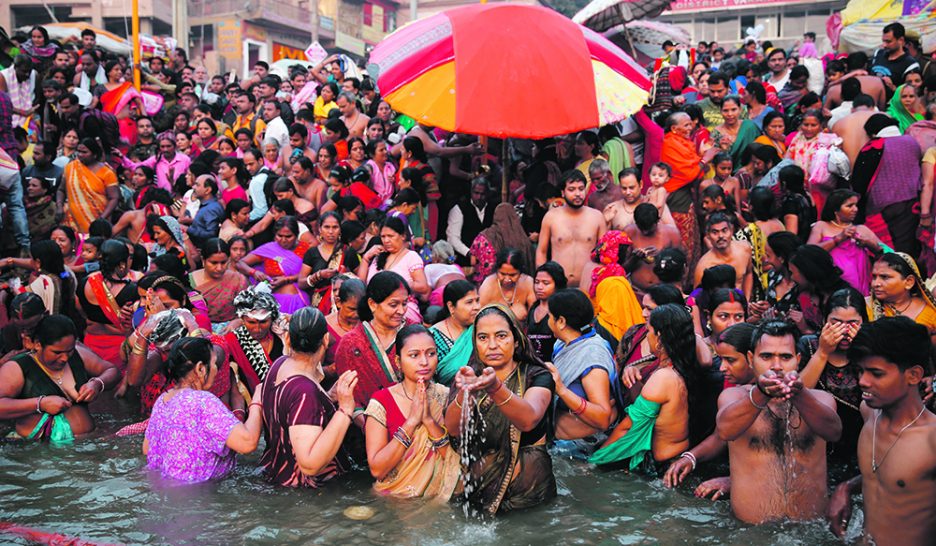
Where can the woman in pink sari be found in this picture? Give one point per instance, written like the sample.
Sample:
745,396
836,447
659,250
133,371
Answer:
117,97
280,262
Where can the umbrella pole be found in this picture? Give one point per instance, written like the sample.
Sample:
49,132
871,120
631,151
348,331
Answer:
505,163
630,42
136,43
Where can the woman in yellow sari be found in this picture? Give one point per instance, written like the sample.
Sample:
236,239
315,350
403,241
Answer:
90,188
325,102
408,447
897,289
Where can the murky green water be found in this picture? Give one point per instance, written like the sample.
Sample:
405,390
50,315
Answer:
98,490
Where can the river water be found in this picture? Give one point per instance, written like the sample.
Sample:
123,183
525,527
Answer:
98,490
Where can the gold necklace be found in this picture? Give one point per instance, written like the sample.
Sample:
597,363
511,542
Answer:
48,372
874,464
840,226
509,302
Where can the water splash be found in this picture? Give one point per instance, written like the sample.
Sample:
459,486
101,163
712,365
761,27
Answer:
471,434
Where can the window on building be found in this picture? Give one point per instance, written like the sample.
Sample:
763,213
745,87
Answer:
727,30
815,22
705,29
368,15
747,21
389,20
792,23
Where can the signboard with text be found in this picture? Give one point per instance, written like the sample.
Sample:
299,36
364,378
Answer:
696,5
283,51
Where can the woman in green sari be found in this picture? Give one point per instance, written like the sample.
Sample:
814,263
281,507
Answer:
507,388
736,133
905,107
453,334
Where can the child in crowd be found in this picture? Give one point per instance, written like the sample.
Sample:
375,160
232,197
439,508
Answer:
660,174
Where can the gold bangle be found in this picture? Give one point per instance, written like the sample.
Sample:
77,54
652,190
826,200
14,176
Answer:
509,397
444,434
456,402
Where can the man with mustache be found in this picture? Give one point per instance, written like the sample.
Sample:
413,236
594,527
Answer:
777,431
897,446
719,229
569,233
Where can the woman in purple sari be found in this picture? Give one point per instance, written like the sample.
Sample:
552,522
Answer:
279,264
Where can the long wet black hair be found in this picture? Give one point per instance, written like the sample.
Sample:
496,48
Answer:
674,328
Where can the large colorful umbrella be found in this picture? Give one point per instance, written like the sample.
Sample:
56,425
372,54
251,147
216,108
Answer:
601,15
507,71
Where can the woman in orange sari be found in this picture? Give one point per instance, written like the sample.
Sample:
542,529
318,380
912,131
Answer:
90,188
107,299
116,98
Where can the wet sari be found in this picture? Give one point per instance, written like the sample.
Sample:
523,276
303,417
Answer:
278,261
453,354
219,295
115,100
423,471
510,469
377,368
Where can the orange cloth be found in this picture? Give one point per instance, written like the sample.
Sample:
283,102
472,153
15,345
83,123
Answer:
680,154
87,193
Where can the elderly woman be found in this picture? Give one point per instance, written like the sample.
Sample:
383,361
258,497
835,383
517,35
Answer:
281,261
408,447
256,343
166,232
507,391
679,152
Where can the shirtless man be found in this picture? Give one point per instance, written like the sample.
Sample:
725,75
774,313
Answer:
737,254
851,127
133,222
649,236
897,446
354,120
302,174
620,214
603,189
870,84
569,233
777,432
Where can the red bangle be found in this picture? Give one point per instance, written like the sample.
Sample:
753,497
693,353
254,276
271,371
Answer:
581,408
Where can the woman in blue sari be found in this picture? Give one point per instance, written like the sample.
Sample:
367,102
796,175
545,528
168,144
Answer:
583,369
453,334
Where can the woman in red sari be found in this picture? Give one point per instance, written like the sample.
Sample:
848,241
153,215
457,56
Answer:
368,349
117,97
107,297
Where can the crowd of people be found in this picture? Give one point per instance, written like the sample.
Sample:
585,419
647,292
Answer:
738,271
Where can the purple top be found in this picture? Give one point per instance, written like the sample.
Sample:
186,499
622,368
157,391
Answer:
187,436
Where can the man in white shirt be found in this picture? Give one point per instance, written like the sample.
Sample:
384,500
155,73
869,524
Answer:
276,128
467,219
779,73
253,162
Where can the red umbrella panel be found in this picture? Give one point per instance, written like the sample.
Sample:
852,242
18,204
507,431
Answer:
506,70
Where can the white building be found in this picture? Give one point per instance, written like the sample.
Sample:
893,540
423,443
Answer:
726,21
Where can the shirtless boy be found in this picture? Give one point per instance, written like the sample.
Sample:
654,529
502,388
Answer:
569,233
777,432
718,232
897,446
620,214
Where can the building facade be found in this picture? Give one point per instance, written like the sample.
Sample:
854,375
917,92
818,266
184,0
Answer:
727,21
111,15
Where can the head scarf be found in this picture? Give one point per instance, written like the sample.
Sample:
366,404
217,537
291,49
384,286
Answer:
257,304
172,225
507,232
607,254
677,78
896,110
877,306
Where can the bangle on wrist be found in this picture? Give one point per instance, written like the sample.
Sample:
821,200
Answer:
582,406
99,380
39,404
753,403
691,457
510,396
